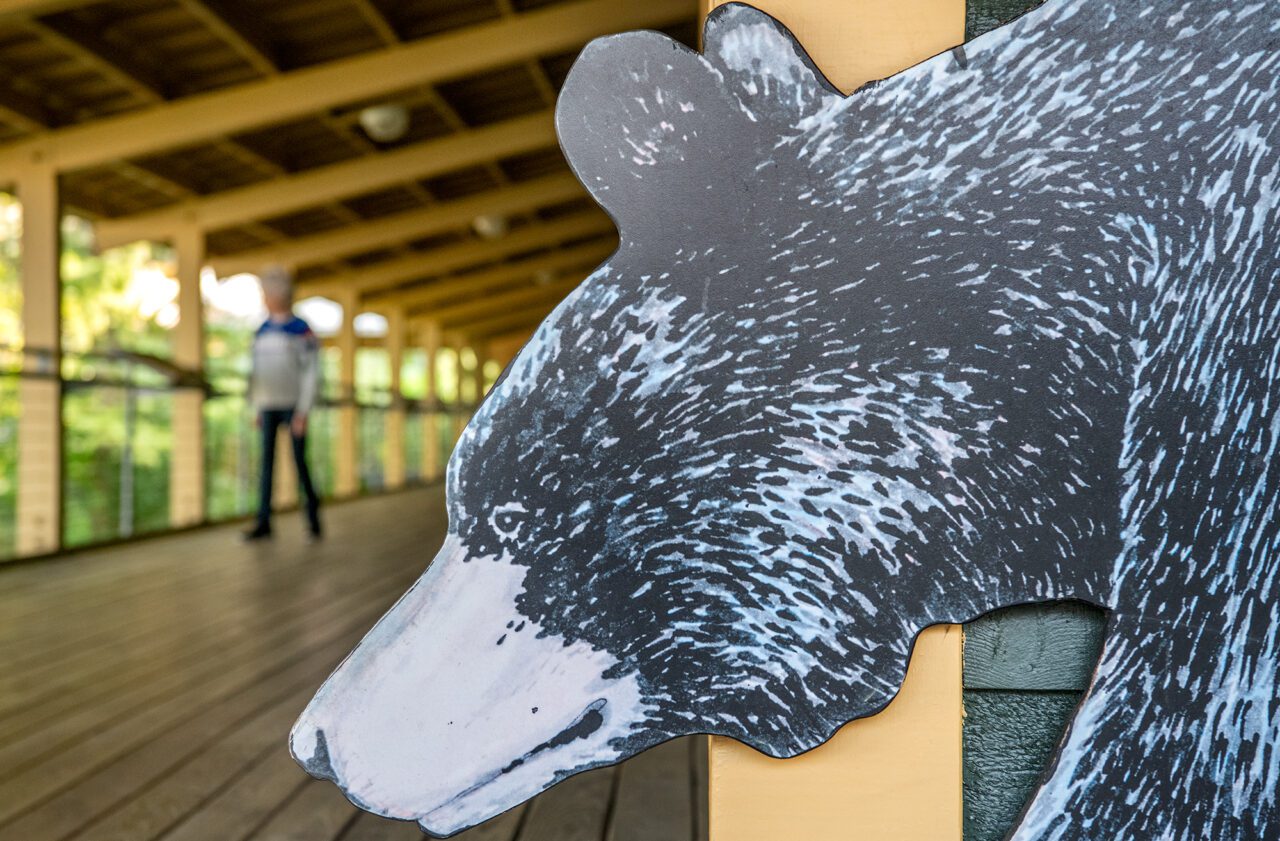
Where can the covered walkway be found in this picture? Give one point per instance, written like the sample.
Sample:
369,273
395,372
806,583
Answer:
148,689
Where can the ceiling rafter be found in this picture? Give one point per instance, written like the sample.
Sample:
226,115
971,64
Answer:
22,111
25,8
513,299
482,329
426,301
111,61
534,67
301,92
381,280
390,37
246,36
240,32
393,229
337,181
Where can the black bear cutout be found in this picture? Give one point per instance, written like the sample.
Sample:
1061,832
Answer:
999,329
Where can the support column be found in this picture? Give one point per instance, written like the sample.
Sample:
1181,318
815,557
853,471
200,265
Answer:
898,774
346,477
186,466
395,467
461,414
39,503
431,462
478,373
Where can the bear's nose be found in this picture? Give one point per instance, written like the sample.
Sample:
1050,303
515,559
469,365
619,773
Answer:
318,764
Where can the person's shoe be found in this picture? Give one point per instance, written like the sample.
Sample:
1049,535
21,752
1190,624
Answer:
258,532
314,533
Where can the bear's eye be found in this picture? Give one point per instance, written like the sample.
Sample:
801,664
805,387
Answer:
507,520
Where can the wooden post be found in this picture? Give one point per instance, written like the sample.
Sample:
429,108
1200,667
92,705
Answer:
478,373
896,775
431,433
856,41
39,503
460,415
395,466
346,481
186,467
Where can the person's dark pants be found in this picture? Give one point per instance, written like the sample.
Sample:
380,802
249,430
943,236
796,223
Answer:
272,420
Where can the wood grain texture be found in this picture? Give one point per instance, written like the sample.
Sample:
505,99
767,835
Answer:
1009,738
659,775
147,691
1034,647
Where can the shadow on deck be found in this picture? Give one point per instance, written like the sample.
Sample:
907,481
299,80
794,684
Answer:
147,691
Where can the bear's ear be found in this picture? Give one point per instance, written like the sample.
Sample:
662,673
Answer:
660,134
645,123
763,63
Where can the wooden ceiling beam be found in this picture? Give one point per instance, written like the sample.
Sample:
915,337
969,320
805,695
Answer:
377,21
300,92
423,302
22,112
509,302
240,32
27,8
336,181
399,227
109,60
481,330
375,281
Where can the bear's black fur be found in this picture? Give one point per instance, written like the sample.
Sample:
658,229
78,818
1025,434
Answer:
1000,329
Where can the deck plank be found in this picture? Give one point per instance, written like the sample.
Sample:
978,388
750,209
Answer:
659,775
574,810
147,691
318,812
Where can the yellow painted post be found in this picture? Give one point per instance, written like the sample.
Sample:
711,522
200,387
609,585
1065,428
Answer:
345,466
186,467
477,373
461,416
395,466
430,418
856,41
895,776
39,503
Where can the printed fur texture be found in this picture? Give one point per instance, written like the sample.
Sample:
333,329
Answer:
1000,329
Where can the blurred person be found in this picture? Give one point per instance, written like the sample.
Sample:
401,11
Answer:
282,390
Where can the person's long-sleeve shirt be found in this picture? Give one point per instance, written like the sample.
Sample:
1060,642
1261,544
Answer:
286,366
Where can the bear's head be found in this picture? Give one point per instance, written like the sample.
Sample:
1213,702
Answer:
729,479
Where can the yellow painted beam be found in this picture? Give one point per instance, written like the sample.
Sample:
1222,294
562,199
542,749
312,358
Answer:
503,348
424,301
895,776
375,282
481,329
508,302
547,31
335,182
28,8
414,224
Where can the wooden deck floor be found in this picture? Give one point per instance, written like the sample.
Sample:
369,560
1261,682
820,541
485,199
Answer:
146,692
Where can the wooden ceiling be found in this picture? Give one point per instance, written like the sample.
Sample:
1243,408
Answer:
242,117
